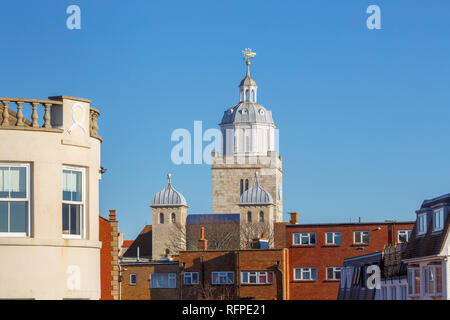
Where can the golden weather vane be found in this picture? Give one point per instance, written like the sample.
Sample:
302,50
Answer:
248,55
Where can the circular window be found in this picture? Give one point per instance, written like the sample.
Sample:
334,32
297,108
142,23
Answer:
261,112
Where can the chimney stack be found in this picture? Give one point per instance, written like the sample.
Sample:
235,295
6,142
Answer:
112,215
260,243
202,242
294,217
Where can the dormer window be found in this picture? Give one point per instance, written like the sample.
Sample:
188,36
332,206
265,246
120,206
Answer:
422,223
438,219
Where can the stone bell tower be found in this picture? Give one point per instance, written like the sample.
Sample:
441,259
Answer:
169,207
248,132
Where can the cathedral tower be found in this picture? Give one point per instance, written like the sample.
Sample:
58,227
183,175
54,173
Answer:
248,146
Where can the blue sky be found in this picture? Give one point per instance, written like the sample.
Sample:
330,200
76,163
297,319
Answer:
363,114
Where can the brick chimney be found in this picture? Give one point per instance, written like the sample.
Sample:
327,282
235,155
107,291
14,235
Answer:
294,217
112,215
202,242
260,243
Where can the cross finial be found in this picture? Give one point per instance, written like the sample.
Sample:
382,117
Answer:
169,178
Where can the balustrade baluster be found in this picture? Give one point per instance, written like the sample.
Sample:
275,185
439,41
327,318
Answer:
34,115
19,122
47,116
5,114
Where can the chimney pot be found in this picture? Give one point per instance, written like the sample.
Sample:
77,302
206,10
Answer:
294,217
112,215
202,242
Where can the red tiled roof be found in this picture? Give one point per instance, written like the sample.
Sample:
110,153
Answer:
127,243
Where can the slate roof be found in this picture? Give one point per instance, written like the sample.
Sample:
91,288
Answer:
432,242
144,242
213,218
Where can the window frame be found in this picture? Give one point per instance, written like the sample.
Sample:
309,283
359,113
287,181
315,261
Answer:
135,280
335,269
258,277
362,237
334,238
189,275
422,223
412,282
440,220
408,235
27,199
83,204
170,276
219,274
301,235
306,269
432,270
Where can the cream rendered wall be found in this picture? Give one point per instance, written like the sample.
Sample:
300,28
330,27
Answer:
36,266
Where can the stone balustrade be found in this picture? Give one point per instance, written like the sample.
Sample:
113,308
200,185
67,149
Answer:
12,116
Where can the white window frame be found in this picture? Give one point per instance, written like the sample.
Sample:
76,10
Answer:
27,199
305,270
440,220
133,283
426,273
188,275
403,232
304,235
362,237
257,275
421,223
335,269
220,274
414,292
170,277
334,233
83,228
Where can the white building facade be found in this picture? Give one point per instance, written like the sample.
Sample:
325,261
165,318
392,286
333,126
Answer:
49,199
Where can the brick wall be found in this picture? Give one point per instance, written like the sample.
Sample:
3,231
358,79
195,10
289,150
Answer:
206,262
105,259
109,254
142,290
322,255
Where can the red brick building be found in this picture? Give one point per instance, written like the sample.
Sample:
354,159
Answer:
149,280
253,274
317,251
109,264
